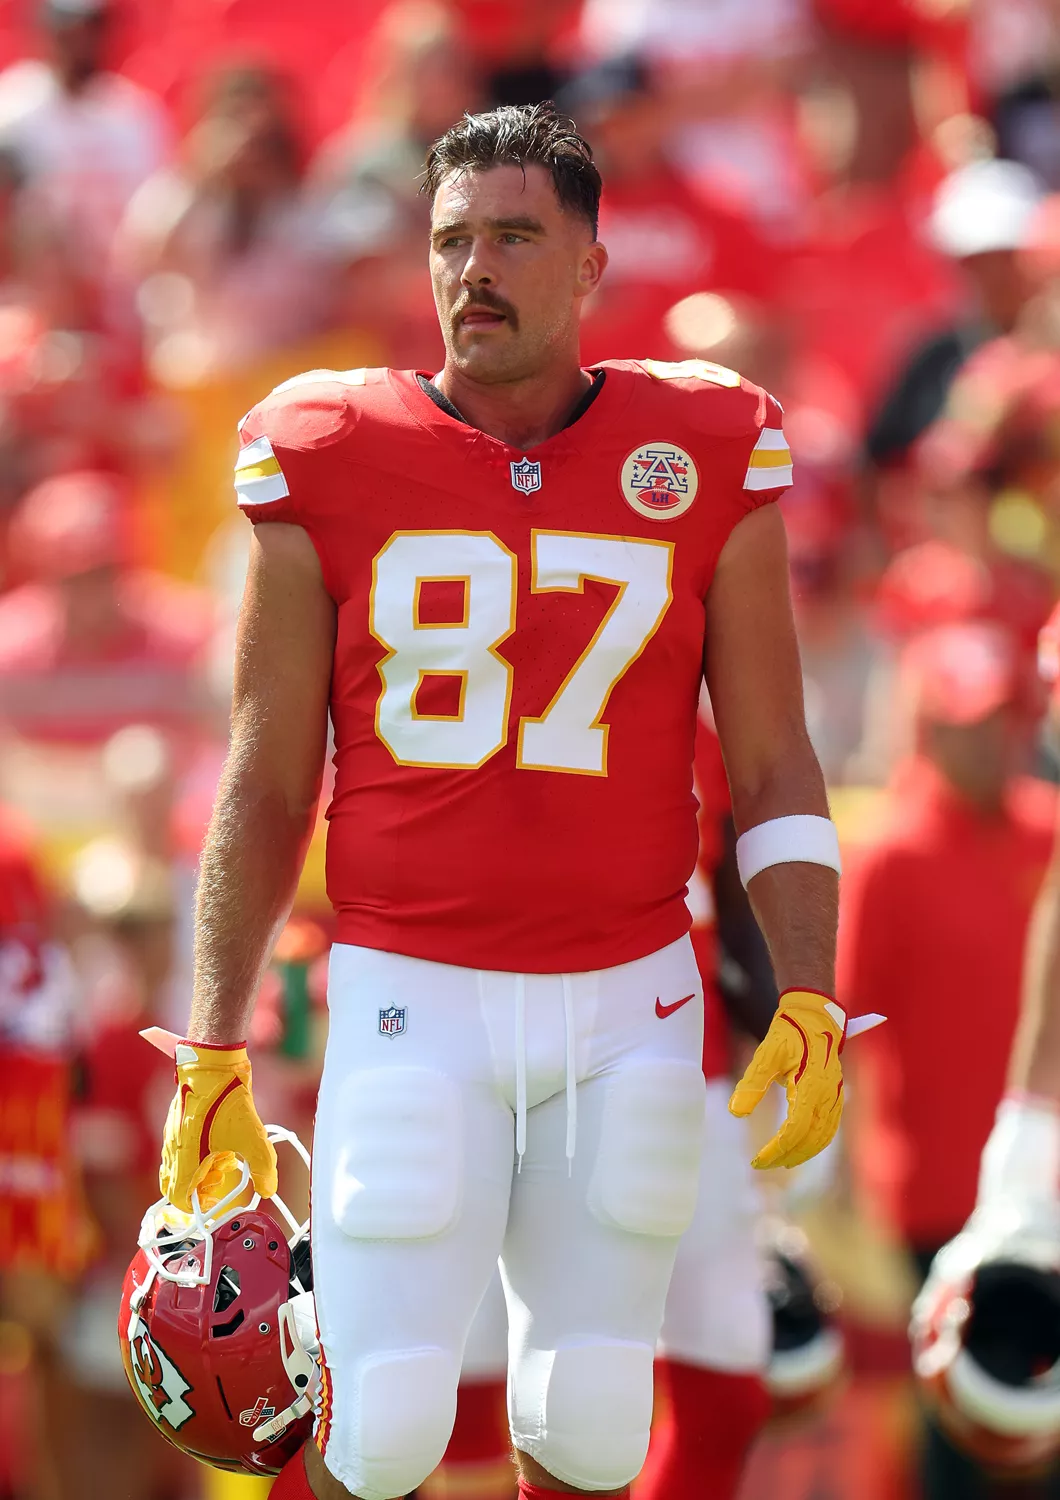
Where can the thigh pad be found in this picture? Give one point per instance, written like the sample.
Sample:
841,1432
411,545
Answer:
397,1168
646,1172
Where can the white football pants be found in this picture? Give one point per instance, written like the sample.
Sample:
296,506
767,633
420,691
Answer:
554,1120
717,1315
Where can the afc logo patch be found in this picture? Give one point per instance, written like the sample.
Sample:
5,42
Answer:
391,1022
659,480
526,475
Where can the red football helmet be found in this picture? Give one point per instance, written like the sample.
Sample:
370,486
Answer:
218,1329
986,1339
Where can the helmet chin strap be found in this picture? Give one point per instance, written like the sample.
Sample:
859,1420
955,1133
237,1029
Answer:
302,1371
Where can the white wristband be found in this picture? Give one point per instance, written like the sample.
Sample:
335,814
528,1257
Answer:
1021,1159
799,839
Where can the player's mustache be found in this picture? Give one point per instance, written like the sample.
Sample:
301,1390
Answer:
490,302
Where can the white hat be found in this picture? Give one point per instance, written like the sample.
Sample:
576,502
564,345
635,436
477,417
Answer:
986,205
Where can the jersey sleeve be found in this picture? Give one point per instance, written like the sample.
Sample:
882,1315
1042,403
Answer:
288,444
741,424
259,479
768,472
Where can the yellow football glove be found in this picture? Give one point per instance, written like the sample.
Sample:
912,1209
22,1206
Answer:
802,1048
211,1121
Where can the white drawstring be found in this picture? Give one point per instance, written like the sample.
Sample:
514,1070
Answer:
572,1070
520,1069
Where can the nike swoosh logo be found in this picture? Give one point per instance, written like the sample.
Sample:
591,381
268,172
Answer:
828,1054
662,1011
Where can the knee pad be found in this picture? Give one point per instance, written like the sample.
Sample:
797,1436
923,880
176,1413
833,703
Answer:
646,1173
584,1411
398,1162
387,1425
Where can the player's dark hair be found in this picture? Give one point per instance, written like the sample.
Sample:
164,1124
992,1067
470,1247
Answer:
521,135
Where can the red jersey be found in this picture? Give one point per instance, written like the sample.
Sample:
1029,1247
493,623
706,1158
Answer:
712,794
933,925
519,651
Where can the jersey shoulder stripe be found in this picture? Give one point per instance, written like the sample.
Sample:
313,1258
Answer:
259,478
769,467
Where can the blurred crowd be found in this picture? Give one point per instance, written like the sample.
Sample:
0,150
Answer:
854,202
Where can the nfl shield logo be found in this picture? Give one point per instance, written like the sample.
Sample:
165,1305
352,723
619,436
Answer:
391,1022
526,475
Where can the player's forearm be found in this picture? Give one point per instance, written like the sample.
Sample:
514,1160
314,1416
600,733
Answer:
1034,1067
250,866
796,905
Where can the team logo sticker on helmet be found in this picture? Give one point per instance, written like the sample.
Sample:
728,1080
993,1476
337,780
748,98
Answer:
391,1022
160,1385
260,1412
659,480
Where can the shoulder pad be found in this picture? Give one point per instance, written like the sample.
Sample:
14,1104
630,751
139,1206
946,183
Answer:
308,411
692,369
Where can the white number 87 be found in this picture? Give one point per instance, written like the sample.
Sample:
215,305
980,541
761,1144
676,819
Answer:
568,736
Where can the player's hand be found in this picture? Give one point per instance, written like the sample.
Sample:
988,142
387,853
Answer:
212,1122
800,1049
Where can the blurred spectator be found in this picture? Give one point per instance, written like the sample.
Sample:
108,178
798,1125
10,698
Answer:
71,388
228,248
862,285
523,51
368,174
664,241
86,138
89,642
122,932
422,80
45,1237
983,217
724,67
934,918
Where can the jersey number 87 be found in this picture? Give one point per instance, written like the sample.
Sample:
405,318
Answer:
569,735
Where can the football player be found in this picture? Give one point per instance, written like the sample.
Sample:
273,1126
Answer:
985,1329
505,582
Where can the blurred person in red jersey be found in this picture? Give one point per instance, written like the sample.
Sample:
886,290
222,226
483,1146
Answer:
45,1234
523,51
665,240
90,642
121,928
86,138
226,245
989,467
726,71
935,916
72,393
